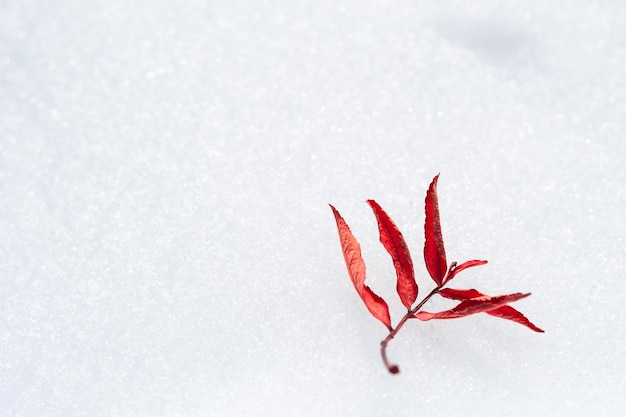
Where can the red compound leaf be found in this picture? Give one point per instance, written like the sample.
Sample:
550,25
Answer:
356,270
394,243
471,301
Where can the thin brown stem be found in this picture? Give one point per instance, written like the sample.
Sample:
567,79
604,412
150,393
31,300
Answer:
383,345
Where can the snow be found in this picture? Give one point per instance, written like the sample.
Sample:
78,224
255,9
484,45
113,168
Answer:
167,248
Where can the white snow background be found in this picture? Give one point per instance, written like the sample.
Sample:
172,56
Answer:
166,247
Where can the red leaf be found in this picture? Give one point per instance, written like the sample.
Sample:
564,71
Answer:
393,241
356,269
460,294
472,306
455,270
434,251
504,312
509,313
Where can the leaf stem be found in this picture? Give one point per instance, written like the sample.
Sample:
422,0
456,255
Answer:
394,369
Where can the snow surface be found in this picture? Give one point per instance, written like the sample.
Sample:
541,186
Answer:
166,247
